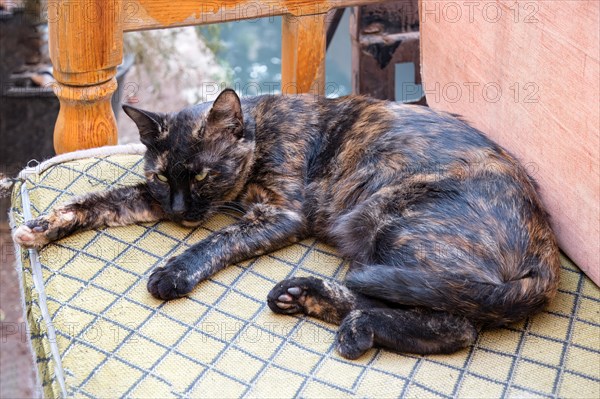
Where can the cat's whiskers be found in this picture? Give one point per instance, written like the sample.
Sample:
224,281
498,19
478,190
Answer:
234,212
238,207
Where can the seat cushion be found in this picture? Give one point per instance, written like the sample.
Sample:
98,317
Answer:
97,332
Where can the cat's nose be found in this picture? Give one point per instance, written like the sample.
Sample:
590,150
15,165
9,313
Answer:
178,203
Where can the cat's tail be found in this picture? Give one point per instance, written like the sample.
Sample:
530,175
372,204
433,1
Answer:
483,302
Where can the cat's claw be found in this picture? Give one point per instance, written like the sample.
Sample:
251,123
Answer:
289,296
170,282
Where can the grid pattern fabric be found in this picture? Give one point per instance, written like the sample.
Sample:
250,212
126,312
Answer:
97,332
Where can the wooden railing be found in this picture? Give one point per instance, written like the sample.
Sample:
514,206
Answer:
86,46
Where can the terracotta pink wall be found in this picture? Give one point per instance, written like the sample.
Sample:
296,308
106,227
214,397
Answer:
527,74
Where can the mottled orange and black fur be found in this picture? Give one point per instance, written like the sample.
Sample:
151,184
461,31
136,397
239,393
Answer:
443,228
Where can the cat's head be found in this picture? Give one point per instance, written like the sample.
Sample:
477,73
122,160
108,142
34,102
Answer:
198,158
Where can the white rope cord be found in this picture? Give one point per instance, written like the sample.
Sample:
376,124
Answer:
38,282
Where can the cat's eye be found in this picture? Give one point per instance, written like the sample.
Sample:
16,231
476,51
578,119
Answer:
201,176
162,178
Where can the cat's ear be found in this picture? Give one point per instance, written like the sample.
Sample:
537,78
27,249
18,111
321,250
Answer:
225,117
148,123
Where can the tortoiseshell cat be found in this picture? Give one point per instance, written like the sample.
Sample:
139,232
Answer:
443,228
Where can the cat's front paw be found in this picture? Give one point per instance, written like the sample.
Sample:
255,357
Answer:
27,237
40,231
171,281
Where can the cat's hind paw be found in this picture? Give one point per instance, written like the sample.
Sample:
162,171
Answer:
289,296
354,337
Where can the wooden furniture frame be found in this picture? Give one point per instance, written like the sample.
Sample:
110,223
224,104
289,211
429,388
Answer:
383,35
86,46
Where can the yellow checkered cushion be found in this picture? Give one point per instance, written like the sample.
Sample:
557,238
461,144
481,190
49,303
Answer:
97,332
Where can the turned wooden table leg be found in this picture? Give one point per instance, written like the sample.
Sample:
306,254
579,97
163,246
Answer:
86,46
303,54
